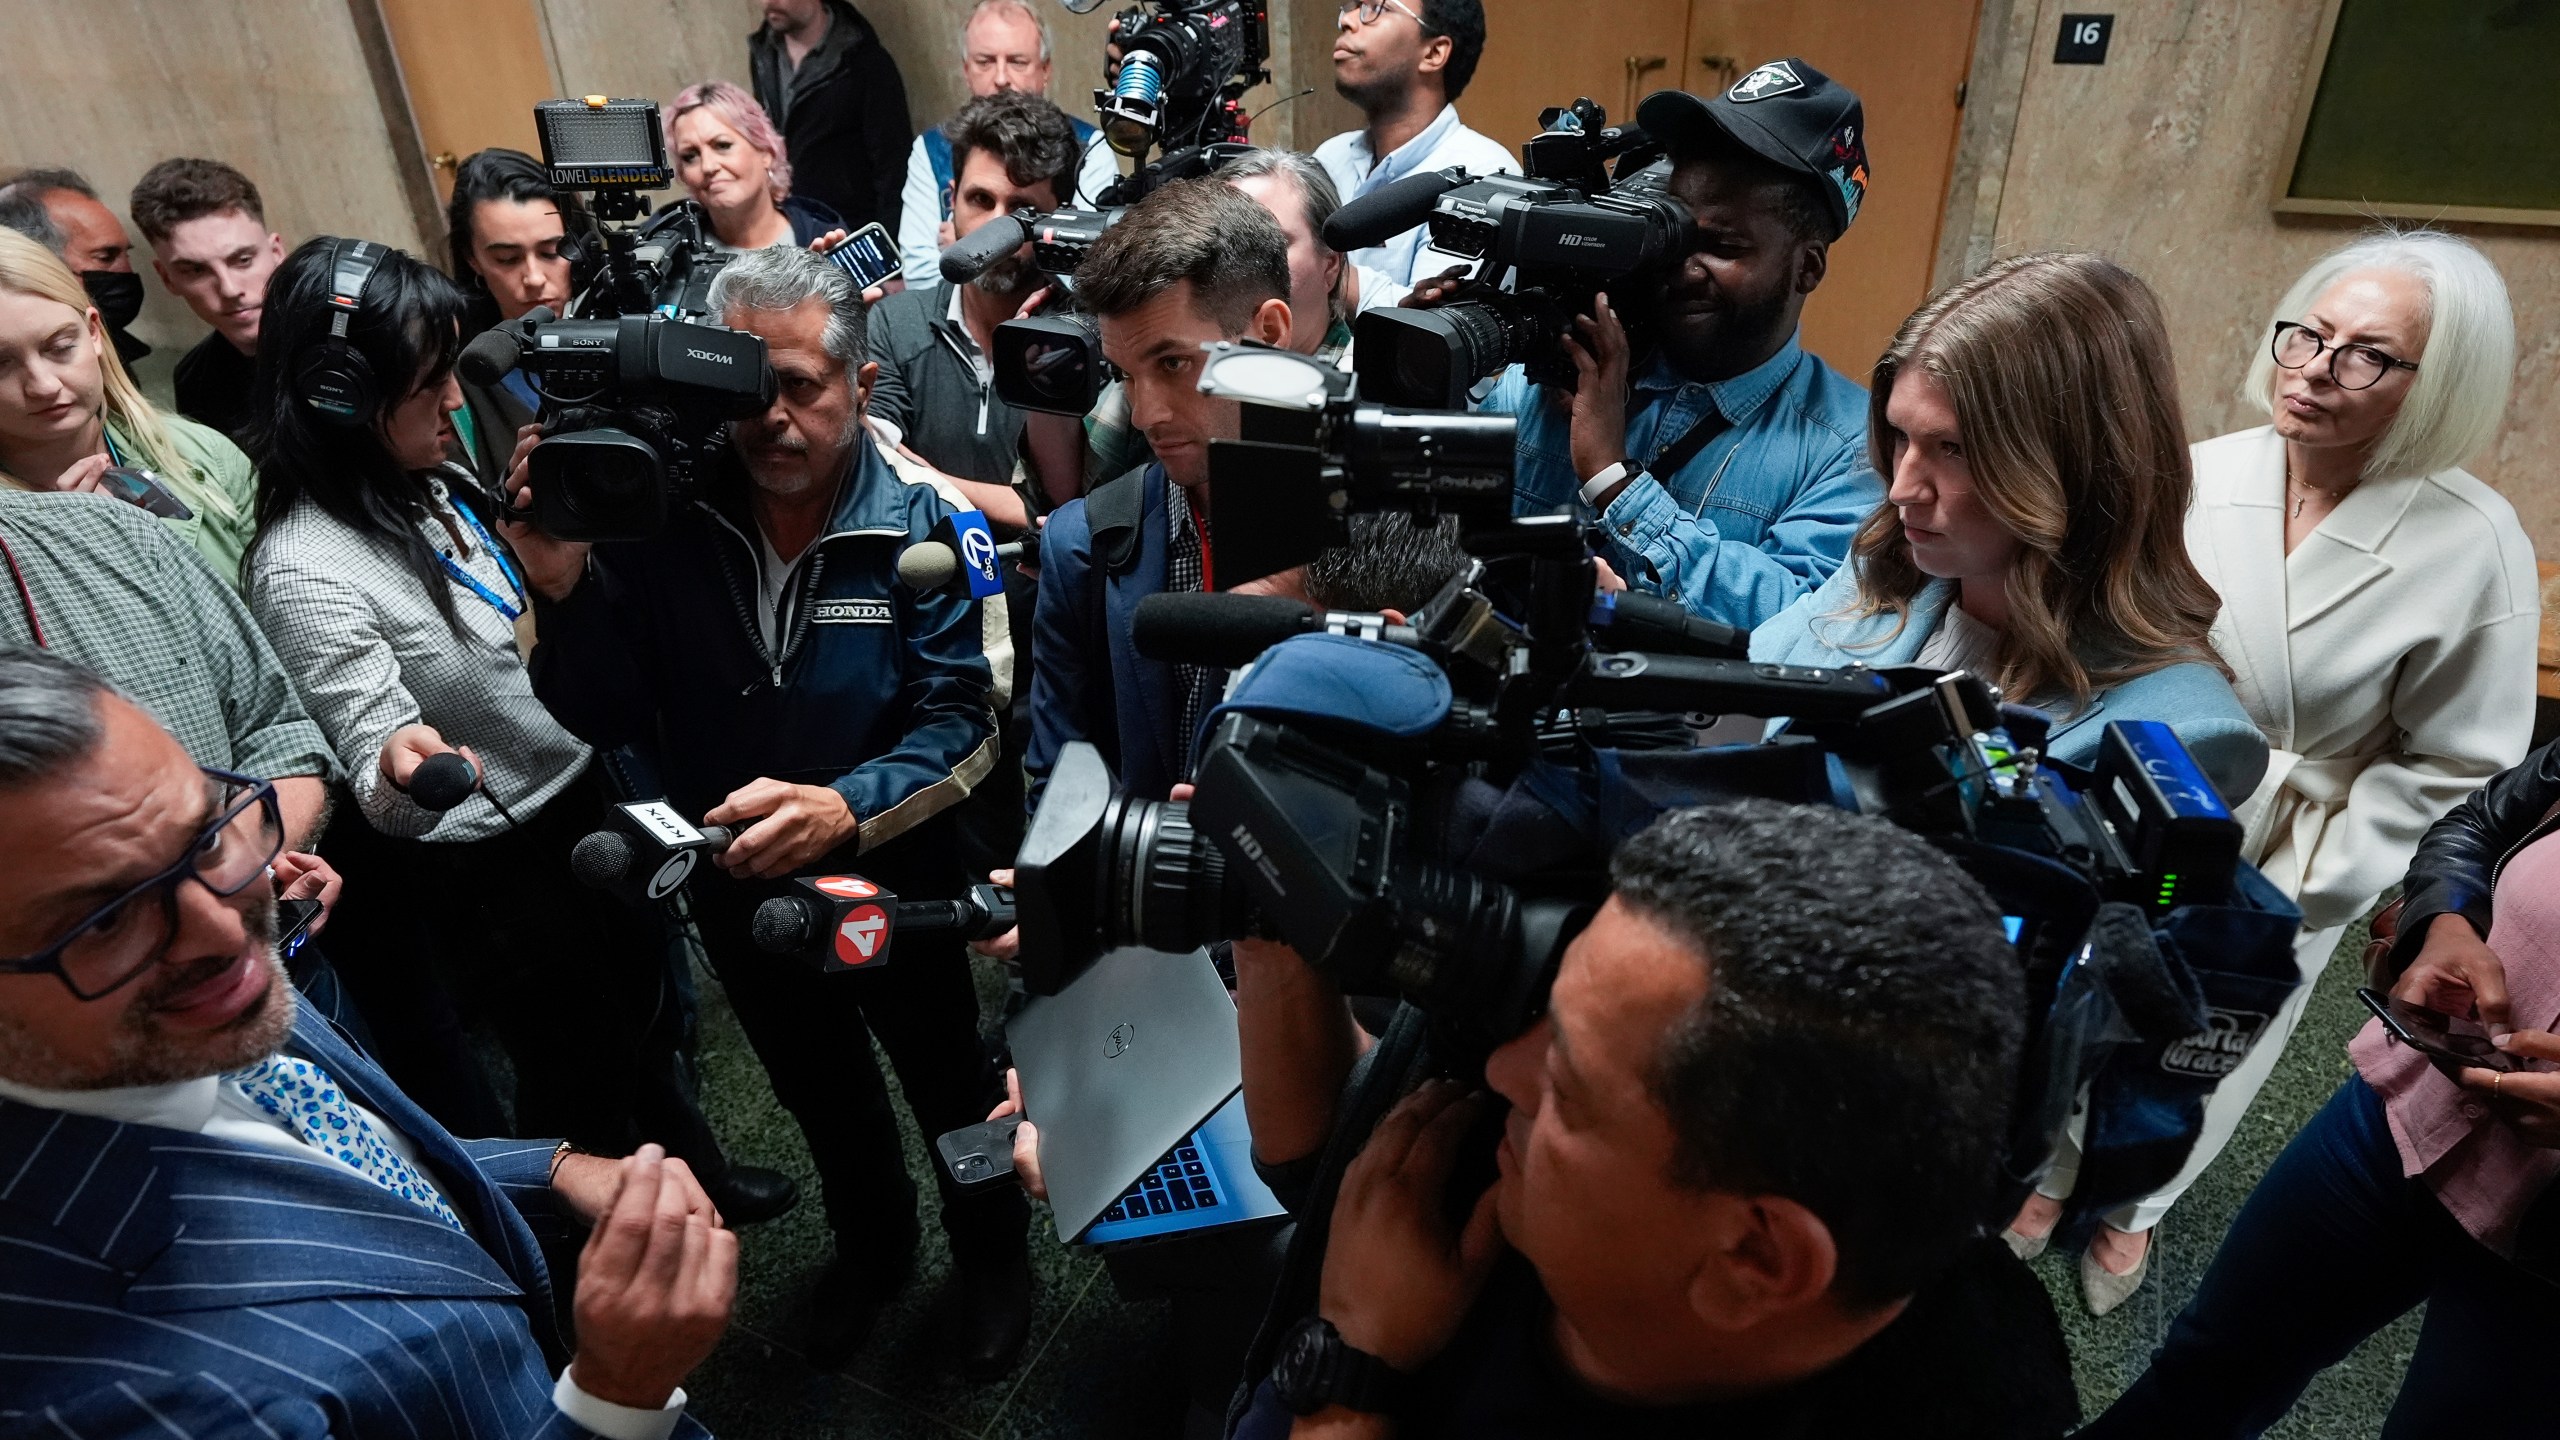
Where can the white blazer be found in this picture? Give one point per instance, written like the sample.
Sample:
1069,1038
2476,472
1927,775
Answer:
2389,659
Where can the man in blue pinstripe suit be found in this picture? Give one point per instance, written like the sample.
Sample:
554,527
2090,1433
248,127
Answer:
217,1218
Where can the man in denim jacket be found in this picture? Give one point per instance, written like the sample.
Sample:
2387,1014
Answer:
1726,465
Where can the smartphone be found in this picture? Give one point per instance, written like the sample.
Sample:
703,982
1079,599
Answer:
293,924
980,1155
2445,1039
868,255
141,487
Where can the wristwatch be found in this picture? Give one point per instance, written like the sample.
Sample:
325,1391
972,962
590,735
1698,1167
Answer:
1609,476
1316,1369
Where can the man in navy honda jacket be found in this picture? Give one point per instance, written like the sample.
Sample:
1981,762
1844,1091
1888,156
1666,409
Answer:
762,646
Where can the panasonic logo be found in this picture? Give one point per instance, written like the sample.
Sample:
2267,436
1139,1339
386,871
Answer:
713,356
1252,849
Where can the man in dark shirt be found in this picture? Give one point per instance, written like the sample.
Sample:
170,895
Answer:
211,246
822,74
1746,1173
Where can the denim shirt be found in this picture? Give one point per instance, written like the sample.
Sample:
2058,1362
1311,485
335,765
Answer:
1757,519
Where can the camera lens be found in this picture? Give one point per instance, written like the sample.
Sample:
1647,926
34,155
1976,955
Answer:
1166,885
1430,358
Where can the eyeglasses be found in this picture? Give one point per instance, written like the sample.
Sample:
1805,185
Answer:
131,933
2354,367
1370,10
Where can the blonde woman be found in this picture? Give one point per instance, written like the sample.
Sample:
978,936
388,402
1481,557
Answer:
2379,607
71,418
2027,423
730,159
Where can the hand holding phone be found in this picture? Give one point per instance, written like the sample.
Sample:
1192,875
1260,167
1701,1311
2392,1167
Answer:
2452,1042
869,255
980,1155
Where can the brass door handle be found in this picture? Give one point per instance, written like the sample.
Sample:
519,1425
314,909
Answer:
446,161
1637,65
1727,66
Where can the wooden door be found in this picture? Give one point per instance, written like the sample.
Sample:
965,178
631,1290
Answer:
474,71
1539,53
1907,60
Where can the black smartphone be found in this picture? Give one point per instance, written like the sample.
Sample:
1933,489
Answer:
2445,1039
869,255
142,488
980,1155
293,924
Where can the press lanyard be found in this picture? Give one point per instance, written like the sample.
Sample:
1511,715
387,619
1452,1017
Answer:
472,582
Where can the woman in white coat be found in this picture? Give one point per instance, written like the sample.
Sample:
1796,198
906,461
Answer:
2379,613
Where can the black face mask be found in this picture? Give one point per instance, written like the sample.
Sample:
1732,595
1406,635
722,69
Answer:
117,294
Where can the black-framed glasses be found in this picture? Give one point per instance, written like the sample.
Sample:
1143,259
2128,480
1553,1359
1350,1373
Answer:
2353,366
1370,10
131,933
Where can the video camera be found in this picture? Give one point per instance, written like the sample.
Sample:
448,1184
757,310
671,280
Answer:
1550,240
637,391
1430,814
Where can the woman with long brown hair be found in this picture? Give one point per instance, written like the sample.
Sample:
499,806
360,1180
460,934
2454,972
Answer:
2026,421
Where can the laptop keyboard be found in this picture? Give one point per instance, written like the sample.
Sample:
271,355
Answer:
1178,1182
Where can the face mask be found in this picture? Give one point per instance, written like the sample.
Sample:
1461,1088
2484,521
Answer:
117,294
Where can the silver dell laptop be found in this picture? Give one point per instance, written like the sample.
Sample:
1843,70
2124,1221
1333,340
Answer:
1133,1075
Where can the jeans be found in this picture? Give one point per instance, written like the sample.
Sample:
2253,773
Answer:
2334,1244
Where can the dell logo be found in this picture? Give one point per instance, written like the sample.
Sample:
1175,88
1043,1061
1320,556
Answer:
1117,1043
714,356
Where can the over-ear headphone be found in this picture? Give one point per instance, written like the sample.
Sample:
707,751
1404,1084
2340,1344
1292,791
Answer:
335,379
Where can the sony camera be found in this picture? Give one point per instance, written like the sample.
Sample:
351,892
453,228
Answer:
637,387
1548,240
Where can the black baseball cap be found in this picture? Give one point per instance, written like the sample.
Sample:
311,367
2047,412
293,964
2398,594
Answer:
1786,112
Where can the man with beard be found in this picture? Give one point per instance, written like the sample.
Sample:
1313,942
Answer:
795,690
211,1192
934,342
1727,465
1405,63
94,245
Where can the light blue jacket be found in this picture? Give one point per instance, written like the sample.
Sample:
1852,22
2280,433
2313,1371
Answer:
1756,520
2191,699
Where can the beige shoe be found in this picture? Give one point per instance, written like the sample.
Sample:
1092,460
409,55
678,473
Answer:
2103,1289
2024,1245
2027,1247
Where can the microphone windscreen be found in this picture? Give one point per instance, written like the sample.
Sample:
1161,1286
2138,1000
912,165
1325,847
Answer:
982,247
1220,630
442,782
489,356
603,860
786,923
1389,211
928,565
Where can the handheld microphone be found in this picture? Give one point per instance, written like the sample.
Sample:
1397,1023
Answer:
845,922
1228,631
1389,211
933,565
646,865
972,253
442,781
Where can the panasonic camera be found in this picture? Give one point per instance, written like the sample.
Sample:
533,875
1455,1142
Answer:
1592,214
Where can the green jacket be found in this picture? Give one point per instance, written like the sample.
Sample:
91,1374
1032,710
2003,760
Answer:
220,487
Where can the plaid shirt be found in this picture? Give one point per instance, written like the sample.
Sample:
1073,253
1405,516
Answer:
116,591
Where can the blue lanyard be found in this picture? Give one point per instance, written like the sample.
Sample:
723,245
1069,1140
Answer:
472,582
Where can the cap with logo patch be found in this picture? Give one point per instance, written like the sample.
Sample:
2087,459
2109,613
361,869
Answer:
1786,112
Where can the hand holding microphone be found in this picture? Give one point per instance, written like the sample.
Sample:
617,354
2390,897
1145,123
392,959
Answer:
435,776
784,827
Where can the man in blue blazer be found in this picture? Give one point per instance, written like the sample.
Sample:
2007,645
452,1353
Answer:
1193,263
216,1216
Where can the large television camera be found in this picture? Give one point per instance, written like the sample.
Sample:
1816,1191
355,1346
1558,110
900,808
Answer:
637,387
1591,213
1180,89
1429,814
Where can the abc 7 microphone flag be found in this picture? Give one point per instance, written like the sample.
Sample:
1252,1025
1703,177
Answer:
975,544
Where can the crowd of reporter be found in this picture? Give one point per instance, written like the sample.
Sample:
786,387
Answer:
1750,1154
